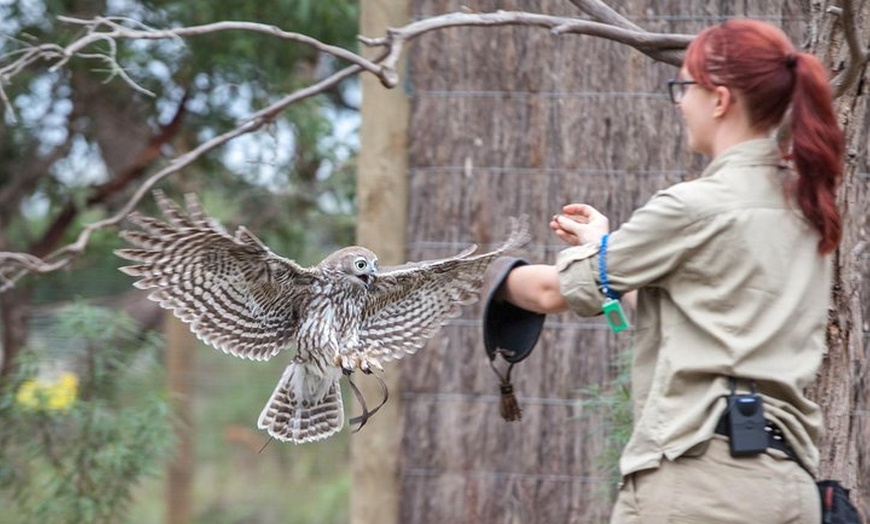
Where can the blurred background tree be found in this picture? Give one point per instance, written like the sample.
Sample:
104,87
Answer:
76,142
78,139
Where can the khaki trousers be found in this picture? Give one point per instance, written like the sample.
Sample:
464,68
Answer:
715,488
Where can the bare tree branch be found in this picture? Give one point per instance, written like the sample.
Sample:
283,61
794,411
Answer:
859,54
14,266
605,14
396,38
119,32
106,30
109,30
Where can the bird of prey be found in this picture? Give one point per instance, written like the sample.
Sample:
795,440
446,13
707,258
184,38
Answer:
341,315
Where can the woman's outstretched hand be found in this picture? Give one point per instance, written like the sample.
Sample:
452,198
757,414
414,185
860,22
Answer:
580,224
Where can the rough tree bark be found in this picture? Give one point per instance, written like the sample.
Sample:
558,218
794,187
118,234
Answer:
841,388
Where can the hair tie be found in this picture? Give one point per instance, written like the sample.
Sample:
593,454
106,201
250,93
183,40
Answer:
790,60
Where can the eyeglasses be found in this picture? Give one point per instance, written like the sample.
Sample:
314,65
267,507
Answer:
677,89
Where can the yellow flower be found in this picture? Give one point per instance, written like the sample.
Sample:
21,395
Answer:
27,394
49,395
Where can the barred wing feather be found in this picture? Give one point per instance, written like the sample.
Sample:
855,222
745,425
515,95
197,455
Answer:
411,302
235,294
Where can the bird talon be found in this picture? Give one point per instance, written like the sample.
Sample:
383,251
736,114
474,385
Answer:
346,363
350,363
377,365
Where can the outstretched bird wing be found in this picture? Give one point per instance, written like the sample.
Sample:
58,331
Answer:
410,303
235,294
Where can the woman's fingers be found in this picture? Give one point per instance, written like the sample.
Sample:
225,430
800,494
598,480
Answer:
564,234
579,224
583,213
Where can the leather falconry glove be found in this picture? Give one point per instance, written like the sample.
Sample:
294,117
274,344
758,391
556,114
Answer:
509,331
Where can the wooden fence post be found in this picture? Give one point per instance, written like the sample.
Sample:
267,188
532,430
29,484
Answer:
382,223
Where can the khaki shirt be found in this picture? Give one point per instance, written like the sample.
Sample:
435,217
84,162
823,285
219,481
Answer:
730,284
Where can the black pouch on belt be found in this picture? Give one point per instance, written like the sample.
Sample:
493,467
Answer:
745,415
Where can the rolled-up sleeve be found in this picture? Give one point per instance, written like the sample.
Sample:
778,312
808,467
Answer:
642,251
578,281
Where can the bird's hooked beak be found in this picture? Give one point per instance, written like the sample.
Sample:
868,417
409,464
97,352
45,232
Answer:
369,278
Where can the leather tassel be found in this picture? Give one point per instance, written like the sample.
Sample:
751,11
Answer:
510,408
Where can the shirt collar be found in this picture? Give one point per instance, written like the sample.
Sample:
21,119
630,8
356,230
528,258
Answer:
756,152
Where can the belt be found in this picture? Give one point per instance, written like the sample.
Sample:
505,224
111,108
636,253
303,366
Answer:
775,437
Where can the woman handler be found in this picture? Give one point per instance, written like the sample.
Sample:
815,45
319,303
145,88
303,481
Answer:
733,273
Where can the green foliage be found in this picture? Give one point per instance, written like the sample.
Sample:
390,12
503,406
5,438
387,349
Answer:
78,460
613,405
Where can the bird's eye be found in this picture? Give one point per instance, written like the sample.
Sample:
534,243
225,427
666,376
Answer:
360,264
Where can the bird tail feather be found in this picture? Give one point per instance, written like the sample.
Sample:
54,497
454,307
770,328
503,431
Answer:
305,406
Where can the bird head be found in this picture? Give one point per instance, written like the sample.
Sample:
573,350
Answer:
356,262
365,268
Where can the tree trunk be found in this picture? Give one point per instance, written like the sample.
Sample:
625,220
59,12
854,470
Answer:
841,386
14,316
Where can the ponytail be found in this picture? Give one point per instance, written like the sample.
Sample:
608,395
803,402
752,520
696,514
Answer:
817,150
758,60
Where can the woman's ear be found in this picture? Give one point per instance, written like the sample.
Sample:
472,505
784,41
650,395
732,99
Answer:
724,101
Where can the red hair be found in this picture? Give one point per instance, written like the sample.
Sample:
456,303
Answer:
759,61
